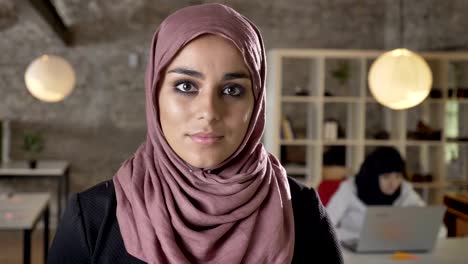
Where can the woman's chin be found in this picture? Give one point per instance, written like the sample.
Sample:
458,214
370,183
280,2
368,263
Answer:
389,193
204,161
205,157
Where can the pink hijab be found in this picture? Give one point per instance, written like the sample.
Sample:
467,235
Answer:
238,212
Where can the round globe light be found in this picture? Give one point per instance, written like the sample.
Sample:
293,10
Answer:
50,78
400,79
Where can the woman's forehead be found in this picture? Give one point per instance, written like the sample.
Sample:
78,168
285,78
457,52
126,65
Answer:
210,50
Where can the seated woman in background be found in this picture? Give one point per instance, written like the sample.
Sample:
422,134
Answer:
380,181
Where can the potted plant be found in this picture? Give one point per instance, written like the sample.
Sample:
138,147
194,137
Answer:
342,73
33,143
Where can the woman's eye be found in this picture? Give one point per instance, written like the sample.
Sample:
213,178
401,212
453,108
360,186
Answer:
185,87
233,90
386,176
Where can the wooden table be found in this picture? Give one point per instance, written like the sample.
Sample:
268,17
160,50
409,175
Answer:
456,218
446,251
22,211
46,169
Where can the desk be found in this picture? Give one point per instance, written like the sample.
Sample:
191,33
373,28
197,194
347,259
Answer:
57,170
446,251
22,212
456,217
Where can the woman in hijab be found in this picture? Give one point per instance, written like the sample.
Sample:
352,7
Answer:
202,188
380,181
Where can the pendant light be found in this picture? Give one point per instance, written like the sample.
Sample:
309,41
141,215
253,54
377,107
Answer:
400,78
50,78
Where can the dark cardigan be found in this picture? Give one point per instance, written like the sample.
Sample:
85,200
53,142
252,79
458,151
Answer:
89,232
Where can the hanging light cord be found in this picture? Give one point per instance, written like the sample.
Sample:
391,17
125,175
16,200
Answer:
402,41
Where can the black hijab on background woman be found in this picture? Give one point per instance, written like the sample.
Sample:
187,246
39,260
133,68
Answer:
382,160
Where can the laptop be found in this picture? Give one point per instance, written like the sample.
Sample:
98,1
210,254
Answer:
389,229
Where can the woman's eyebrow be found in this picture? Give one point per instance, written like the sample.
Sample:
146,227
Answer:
199,75
188,72
235,75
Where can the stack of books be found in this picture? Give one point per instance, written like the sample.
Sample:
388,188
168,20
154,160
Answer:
287,132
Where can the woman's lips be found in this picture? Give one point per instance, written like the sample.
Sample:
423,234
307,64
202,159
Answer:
206,138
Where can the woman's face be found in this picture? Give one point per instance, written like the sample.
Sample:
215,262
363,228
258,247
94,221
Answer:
206,101
390,182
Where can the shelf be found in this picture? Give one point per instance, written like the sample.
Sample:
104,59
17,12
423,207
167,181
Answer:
428,185
457,183
308,142
361,119
340,142
428,100
300,99
381,142
459,100
341,99
393,142
434,143
439,185
314,99
298,142
370,100
459,142
434,101
295,169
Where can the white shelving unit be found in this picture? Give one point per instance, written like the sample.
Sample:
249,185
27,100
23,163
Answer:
352,105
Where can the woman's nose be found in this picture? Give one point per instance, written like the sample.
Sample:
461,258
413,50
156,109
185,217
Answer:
395,184
209,106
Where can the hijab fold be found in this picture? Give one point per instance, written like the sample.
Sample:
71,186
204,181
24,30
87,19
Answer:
237,212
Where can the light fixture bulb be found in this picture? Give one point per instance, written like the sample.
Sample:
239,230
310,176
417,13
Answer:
50,78
400,79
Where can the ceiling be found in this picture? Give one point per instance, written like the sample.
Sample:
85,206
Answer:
98,21
8,14
92,20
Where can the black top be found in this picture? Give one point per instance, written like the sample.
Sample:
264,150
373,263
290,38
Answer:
89,231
